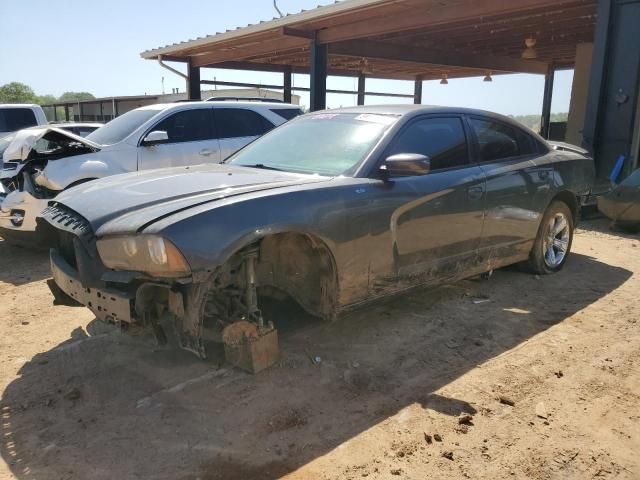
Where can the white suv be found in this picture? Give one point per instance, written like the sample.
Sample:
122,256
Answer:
41,162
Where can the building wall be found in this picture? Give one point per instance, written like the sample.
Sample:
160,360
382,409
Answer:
611,120
91,111
579,92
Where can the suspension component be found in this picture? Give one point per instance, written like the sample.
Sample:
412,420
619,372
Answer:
251,296
250,344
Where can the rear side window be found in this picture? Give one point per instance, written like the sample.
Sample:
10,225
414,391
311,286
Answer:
498,141
188,126
287,113
12,119
526,144
441,139
238,122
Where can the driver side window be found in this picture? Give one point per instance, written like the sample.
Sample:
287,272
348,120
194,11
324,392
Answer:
188,126
441,139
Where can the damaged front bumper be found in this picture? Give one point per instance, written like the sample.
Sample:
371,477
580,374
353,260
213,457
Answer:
107,305
125,299
175,307
18,212
170,307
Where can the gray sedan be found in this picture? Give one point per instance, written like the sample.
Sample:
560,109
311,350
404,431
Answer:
333,209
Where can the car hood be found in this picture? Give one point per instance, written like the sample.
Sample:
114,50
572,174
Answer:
25,140
129,202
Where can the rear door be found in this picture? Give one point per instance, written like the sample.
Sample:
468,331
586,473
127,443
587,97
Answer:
514,183
435,220
192,141
238,126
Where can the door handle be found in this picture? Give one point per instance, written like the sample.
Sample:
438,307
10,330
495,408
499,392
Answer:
475,193
206,152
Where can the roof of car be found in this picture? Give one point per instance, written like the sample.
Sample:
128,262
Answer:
409,109
18,105
226,103
412,110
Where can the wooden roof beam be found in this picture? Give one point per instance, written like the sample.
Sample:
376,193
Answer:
386,51
280,44
430,15
539,17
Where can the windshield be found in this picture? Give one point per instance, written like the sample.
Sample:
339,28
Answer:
325,144
121,127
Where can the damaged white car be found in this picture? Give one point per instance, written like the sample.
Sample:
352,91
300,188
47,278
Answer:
39,163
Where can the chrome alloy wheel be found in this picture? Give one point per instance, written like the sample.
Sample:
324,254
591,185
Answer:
556,240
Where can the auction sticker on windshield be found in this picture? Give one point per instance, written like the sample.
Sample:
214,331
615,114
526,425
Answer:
369,117
324,116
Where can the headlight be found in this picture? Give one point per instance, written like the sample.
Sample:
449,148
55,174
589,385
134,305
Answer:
143,253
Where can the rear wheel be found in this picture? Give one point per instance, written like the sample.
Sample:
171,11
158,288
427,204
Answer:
553,242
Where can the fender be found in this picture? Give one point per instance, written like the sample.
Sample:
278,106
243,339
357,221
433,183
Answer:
59,174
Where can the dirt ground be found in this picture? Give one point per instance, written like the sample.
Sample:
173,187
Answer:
376,395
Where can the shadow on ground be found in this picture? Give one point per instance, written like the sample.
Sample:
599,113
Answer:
602,224
111,406
22,265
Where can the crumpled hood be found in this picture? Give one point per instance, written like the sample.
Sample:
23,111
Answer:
25,140
129,202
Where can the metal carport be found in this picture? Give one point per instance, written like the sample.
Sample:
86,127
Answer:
421,40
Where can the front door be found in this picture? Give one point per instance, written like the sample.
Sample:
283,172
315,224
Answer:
435,220
192,141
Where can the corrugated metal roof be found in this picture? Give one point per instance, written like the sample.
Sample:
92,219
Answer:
263,26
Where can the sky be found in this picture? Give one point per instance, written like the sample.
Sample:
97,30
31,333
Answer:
94,46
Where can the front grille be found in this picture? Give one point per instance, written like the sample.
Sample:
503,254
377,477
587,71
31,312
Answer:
60,226
66,219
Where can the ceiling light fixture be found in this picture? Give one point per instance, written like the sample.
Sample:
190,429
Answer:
365,68
487,77
530,52
444,80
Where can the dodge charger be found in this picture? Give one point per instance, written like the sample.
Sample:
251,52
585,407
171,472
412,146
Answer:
334,209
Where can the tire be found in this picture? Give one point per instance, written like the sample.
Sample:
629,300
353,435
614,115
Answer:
545,259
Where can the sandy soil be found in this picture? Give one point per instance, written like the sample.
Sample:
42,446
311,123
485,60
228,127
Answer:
81,400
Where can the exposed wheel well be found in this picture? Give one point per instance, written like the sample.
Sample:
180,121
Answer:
298,264
571,201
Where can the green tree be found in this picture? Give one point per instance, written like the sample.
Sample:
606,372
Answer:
46,99
16,92
48,111
75,96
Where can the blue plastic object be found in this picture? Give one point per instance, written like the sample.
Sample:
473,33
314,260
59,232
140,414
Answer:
617,168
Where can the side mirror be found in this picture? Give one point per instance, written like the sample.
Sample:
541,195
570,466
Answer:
406,165
155,137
